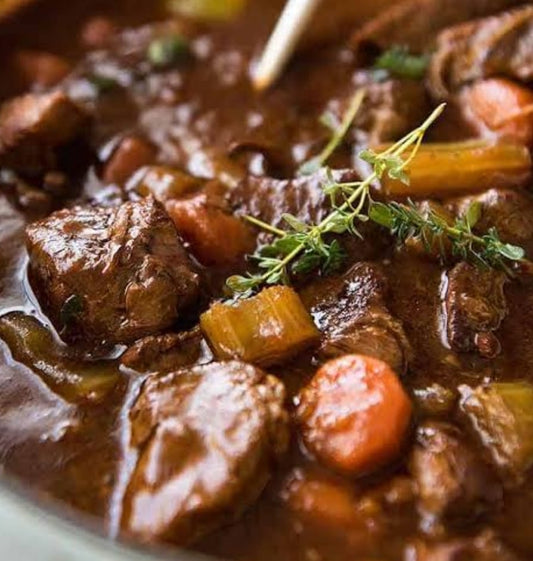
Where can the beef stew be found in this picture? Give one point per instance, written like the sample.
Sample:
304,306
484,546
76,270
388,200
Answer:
290,324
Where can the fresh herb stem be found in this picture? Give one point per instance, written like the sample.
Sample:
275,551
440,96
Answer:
406,221
314,164
302,247
265,226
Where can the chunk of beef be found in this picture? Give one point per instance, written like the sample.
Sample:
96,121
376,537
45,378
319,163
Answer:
268,199
33,126
475,307
501,45
168,352
110,274
391,108
352,315
207,439
486,546
509,211
454,484
435,400
411,22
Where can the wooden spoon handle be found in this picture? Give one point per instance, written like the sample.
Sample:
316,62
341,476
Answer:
290,27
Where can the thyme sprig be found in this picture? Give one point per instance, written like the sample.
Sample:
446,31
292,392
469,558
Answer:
339,132
303,247
406,221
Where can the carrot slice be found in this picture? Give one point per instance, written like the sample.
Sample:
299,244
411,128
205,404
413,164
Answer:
131,154
215,237
354,414
501,107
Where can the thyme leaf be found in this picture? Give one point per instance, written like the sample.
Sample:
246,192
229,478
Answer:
399,62
405,221
304,248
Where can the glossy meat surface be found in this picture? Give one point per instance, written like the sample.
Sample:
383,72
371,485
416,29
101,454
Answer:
207,439
111,274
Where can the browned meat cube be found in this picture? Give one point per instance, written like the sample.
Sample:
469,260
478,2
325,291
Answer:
412,22
480,49
475,307
351,312
110,274
509,211
268,199
486,546
453,482
391,108
207,438
167,352
33,125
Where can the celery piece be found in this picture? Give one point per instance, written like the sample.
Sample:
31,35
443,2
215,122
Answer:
266,329
447,169
207,9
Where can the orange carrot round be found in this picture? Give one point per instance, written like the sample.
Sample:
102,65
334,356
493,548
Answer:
354,414
501,106
215,237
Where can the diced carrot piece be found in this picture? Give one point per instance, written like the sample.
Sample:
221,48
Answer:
501,107
215,236
324,503
39,68
163,183
354,414
131,154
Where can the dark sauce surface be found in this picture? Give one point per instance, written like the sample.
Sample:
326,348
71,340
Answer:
74,450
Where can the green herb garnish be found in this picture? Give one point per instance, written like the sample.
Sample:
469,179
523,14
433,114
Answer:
399,62
102,84
339,132
168,50
304,248
405,221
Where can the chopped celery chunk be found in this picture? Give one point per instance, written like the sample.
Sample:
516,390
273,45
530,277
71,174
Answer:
502,415
266,329
472,164
207,9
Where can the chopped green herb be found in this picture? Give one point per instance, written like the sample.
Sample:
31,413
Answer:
399,62
167,51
